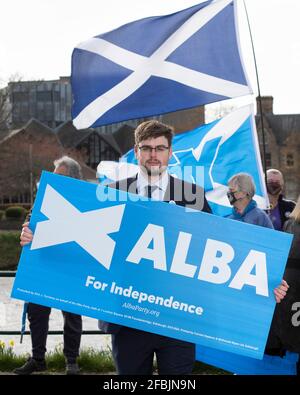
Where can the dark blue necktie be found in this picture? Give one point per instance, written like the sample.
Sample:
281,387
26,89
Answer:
150,190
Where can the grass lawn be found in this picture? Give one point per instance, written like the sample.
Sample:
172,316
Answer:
90,361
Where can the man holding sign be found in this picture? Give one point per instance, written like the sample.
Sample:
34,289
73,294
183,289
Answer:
153,150
133,349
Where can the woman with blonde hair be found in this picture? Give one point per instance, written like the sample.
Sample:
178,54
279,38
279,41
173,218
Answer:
241,191
295,214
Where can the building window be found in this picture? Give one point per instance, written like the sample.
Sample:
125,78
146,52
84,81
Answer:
56,96
44,96
289,160
263,138
48,96
19,97
268,160
98,150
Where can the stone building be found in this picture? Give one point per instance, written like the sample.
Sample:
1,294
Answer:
24,153
282,144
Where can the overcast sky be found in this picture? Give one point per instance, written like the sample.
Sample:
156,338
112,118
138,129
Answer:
37,38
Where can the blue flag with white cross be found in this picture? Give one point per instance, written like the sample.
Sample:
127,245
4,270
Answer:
158,65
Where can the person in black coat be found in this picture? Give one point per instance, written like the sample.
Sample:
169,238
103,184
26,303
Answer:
133,350
38,315
286,333
279,214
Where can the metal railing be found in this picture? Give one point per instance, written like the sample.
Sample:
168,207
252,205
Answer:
8,273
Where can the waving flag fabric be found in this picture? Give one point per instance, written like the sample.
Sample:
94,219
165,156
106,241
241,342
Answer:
239,364
158,65
209,155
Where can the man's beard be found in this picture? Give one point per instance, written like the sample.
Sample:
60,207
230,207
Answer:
154,170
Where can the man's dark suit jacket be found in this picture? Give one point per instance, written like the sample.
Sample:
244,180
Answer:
178,191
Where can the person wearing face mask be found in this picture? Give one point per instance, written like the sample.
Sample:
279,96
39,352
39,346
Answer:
240,195
280,208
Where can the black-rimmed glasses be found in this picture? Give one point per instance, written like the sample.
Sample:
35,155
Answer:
148,149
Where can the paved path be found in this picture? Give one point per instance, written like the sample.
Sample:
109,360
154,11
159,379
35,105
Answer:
10,320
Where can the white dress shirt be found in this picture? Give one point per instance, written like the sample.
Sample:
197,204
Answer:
161,183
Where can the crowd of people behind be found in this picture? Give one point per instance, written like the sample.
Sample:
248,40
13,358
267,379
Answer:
133,350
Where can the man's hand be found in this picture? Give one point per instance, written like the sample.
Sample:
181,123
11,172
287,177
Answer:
26,235
281,291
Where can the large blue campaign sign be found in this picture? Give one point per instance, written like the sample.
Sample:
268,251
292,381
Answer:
151,265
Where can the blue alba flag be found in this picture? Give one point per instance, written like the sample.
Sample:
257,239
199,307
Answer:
158,65
241,364
209,155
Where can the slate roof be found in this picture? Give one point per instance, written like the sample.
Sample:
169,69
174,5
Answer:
124,138
70,137
33,126
284,125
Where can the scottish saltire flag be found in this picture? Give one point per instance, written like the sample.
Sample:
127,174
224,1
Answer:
158,65
209,155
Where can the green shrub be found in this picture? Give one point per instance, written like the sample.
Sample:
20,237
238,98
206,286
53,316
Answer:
16,212
26,213
1,214
9,250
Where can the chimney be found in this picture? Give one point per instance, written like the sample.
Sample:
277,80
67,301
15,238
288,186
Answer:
267,104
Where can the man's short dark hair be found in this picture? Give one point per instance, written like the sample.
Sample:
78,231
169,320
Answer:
152,130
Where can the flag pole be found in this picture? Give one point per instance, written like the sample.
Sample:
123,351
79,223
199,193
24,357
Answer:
259,97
